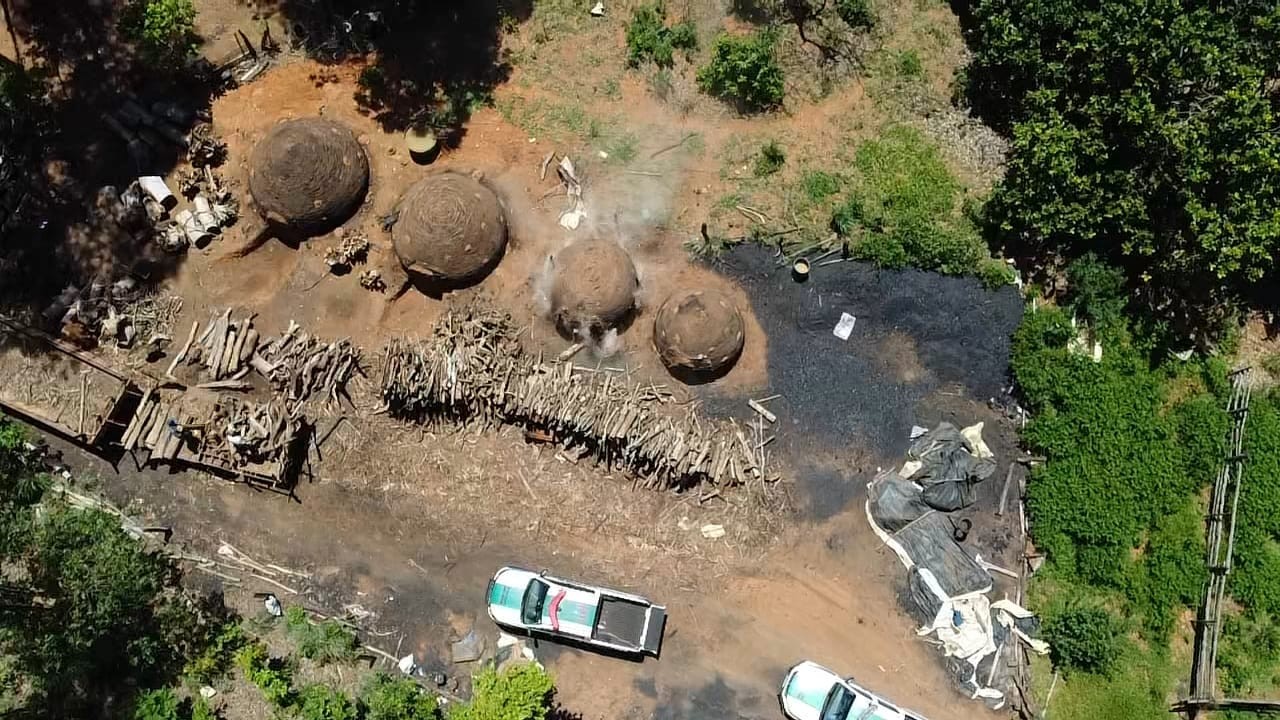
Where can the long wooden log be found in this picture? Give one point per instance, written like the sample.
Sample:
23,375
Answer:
182,354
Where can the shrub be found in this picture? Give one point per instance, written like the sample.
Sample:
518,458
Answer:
1096,291
521,693
857,14
325,642
272,676
1083,637
1248,654
908,64
388,698
819,185
318,702
163,29
649,39
218,655
1255,579
156,705
745,70
770,159
201,710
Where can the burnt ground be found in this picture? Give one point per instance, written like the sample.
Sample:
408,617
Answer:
925,349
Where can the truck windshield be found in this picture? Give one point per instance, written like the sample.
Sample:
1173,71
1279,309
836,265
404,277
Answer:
838,704
534,596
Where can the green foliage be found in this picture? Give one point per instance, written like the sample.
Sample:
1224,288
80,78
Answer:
1271,364
201,710
319,702
156,705
908,64
215,660
1142,130
520,693
819,185
770,160
325,642
388,698
272,676
1123,466
857,14
163,29
649,39
1097,291
1255,578
1249,655
1083,637
744,70
903,208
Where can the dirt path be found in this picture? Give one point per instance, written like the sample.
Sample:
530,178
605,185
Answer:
825,593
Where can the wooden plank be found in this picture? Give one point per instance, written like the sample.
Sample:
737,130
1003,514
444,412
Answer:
137,418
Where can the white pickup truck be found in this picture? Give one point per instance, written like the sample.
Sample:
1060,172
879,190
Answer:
812,692
550,607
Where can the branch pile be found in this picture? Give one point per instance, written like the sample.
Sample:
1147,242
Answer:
474,368
302,365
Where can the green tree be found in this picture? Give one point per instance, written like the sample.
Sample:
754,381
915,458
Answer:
318,702
520,693
163,29
744,70
156,705
1144,131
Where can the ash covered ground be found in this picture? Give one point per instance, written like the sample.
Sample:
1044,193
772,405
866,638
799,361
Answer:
925,348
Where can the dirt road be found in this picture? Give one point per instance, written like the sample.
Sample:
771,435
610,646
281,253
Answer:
825,593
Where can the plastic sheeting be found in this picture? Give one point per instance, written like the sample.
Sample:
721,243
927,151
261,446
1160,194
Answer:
947,463
946,586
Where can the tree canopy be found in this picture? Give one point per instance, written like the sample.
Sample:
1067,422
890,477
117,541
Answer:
1143,130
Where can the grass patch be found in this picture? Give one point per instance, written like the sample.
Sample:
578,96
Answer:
324,642
818,185
904,210
622,149
770,160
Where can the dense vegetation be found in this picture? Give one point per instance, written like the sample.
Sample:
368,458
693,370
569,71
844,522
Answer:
163,29
744,70
1144,131
650,39
903,208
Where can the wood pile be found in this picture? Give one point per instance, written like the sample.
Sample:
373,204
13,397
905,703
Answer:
224,350
474,369
300,366
228,433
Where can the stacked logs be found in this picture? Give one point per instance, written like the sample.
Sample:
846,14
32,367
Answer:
242,431
300,365
224,349
474,369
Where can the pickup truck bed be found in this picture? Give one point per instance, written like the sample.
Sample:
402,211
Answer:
623,622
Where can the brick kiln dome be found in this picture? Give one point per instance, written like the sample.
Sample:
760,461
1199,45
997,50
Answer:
451,228
308,175
594,287
698,331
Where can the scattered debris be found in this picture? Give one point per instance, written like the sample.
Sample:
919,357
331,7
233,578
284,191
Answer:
844,328
576,210
353,249
712,532
469,648
272,605
597,10
205,149
372,280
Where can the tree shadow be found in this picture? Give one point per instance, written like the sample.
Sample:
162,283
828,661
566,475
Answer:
59,227
431,64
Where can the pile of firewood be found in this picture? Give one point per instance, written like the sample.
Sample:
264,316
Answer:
242,431
224,350
301,365
474,369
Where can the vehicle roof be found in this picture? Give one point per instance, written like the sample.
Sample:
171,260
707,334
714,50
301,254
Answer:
813,683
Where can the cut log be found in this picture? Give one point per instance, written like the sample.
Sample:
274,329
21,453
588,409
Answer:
182,354
153,434
228,351
249,346
137,418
